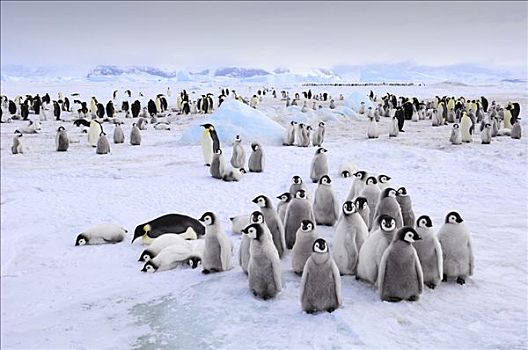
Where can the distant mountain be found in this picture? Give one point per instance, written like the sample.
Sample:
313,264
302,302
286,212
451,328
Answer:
237,72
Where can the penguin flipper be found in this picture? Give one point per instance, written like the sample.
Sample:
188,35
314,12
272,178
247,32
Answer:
419,271
381,273
337,282
304,278
439,259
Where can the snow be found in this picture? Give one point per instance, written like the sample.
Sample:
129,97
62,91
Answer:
56,295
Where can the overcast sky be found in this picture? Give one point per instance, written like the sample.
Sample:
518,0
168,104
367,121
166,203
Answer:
263,34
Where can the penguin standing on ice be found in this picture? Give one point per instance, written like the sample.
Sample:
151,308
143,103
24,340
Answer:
319,164
326,206
429,252
466,128
273,222
400,115
238,157
17,148
217,167
210,143
404,200
61,140
103,147
94,132
135,135
256,158
456,135
218,247
299,209
318,135
119,136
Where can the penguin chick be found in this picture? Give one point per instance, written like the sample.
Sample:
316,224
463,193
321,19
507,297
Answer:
429,252
218,248
302,248
101,234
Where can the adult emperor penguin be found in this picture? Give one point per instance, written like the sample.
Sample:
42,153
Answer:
119,136
456,135
388,205
318,135
264,270
284,200
169,223
244,252
238,158
94,132
135,135
101,234
217,168
218,248
289,135
273,221
466,128
319,165
160,243
17,147
326,206
373,249
372,131
103,147
61,140
363,210
351,233
321,282
298,210
256,158
516,130
372,193
302,249
210,143
400,273
457,248
404,200
485,135
429,252
360,178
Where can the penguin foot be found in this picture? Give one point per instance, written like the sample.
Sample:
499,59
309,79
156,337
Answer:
444,278
330,309
311,311
392,299
430,285
207,164
413,298
460,281
205,271
402,130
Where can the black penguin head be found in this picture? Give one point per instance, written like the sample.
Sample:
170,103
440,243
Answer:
321,124
487,126
297,180
102,133
208,126
61,128
387,223
285,197
453,218
255,146
371,180
218,151
320,150
237,138
146,256
307,225
349,208
293,122
140,231
424,221
325,180
402,191
300,194
262,201
388,192
242,171
208,218
345,173
149,267
18,133
254,231
362,175
361,203
456,126
407,234
194,261
256,217
81,240
320,246
383,178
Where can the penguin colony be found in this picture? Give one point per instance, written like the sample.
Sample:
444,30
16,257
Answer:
377,238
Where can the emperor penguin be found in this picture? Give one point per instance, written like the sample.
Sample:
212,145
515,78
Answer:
363,210
383,181
429,252
233,174
297,134
373,132
456,135
210,143
360,179
404,200
238,158
264,269
273,221
289,135
485,136
457,250
351,233
347,169
319,165
101,234
256,158
516,130
160,243
244,252
388,205
302,249
325,206
373,249
186,226
175,255
400,272
298,210
94,132
61,140
17,147
218,248
103,147
298,184
305,136
135,135
372,193
318,135
284,200
320,283
394,128
142,123
466,128
304,108
217,168
119,136
507,118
